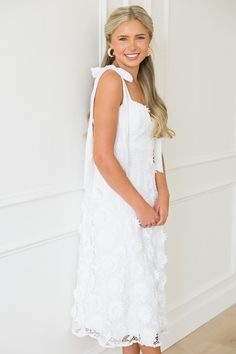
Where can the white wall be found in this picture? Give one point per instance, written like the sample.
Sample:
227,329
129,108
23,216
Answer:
201,162
47,49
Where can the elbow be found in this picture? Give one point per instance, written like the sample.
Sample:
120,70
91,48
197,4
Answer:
103,161
98,159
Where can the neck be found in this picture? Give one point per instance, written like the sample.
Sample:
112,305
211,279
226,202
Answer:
133,71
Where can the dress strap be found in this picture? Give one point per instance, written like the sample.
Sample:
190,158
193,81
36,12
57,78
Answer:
89,163
97,73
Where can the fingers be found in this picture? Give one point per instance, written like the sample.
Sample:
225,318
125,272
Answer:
163,217
157,223
154,223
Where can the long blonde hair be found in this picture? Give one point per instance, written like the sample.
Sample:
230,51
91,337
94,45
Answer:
146,74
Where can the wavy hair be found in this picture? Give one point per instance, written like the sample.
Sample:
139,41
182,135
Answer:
146,74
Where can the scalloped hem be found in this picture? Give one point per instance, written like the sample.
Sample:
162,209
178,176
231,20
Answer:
114,343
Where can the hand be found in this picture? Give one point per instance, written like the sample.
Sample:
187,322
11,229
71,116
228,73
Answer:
147,216
162,206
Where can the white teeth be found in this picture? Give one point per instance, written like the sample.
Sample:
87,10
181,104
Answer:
132,55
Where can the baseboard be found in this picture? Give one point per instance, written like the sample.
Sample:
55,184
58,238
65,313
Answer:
188,318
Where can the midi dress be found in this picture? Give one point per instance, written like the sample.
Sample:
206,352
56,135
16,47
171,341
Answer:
119,298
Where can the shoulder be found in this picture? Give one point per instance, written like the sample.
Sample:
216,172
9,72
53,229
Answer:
110,84
110,78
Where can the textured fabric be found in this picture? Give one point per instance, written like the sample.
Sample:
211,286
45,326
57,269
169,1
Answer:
119,297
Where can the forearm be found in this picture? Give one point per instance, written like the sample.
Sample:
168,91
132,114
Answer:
115,176
161,182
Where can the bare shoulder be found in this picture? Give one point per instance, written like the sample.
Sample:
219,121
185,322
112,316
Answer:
108,99
110,87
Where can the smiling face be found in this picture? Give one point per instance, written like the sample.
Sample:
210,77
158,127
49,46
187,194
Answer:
130,42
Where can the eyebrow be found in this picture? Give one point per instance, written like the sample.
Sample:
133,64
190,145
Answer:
124,35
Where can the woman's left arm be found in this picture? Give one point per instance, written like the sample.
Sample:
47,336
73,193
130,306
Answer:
162,201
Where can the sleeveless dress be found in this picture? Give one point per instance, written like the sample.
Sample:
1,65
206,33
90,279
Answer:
119,298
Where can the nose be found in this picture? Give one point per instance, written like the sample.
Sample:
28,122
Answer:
132,45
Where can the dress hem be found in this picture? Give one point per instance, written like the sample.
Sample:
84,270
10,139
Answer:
83,332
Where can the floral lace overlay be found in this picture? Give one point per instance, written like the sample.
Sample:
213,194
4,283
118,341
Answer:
119,297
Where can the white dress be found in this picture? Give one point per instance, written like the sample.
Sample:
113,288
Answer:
119,298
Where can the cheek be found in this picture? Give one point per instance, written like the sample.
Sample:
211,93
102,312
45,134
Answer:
119,47
144,46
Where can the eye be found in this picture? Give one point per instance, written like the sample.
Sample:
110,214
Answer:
122,38
141,37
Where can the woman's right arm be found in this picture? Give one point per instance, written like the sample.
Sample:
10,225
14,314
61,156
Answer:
106,110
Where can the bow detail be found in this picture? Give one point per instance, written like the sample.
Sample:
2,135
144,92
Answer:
96,71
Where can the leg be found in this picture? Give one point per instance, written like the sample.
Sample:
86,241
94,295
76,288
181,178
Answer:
131,349
149,350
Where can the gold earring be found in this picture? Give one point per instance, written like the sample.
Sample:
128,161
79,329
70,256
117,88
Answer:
109,53
149,51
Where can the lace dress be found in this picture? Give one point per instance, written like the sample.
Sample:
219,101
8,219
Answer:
119,298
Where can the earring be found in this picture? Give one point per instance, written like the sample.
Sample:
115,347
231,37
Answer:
109,53
149,52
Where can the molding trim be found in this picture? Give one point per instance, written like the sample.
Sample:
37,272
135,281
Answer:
28,244
200,160
48,192
177,312
192,195
25,245
217,284
188,316
37,194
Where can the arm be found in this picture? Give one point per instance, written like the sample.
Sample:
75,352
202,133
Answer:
162,201
161,182
106,108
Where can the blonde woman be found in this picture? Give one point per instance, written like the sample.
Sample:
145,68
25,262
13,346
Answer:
119,298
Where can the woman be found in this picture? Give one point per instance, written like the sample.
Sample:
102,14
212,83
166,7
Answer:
119,297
